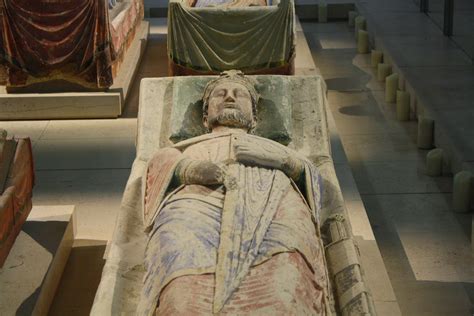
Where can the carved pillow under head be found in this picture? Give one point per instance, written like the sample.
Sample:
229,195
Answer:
273,109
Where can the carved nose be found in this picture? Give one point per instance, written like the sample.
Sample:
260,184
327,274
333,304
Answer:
229,98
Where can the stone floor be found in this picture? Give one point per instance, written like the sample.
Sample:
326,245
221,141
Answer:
425,246
438,68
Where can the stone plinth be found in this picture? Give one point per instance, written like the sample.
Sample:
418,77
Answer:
33,269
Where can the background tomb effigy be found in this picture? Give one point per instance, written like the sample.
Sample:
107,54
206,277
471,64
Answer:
80,43
233,35
16,185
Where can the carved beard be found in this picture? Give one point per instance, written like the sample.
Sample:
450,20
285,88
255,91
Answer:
231,118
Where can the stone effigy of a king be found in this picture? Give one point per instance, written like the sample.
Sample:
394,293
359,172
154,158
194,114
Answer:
233,219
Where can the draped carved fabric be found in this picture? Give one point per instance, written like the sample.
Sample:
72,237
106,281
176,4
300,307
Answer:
246,38
43,37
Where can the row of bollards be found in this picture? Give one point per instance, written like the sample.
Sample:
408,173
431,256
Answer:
436,160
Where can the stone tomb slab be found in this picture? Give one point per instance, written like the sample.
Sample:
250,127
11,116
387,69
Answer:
309,136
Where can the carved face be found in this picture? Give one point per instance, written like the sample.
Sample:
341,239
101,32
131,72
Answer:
230,104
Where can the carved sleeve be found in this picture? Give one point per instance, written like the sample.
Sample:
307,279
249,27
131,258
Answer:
293,167
158,179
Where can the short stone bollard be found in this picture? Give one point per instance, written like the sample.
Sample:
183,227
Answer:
462,183
376,58
363,42
434,162
352,15
322,12
403,105
359,24
391,87
425,133
383,70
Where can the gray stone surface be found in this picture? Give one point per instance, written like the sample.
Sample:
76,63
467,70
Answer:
70,154
95,192
59,105
410,213
438,69
32,271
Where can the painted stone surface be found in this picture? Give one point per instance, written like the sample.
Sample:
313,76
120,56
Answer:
206,219
273,109
240,201
81,42
208,40
16,185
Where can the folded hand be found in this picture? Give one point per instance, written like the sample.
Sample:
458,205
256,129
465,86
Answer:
259,154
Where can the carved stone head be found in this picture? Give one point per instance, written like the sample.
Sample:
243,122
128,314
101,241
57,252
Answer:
230,100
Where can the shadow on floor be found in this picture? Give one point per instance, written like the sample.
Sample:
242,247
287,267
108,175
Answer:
154,64
81,277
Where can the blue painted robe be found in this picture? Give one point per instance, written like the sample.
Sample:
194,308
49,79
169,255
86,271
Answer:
224,229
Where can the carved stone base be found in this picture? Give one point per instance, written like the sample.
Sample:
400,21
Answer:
32,271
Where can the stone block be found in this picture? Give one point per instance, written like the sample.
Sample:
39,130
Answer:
34,267
59,106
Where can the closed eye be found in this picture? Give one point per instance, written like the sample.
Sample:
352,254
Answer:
241,93
219,93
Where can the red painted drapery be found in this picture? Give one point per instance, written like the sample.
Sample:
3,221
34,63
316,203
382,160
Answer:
63,39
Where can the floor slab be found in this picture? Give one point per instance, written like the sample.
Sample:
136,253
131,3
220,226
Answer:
32,129
86,153
96,194
422,51
397,177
